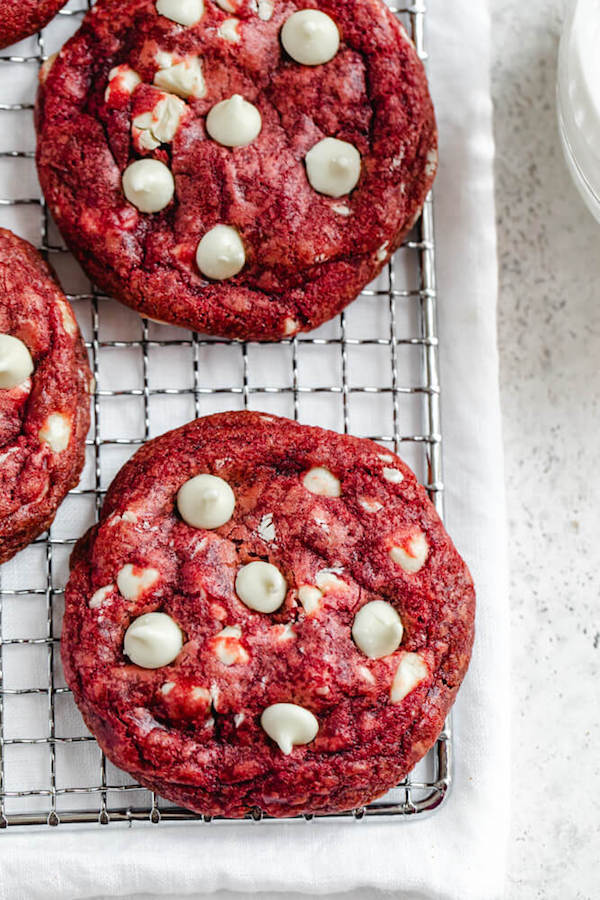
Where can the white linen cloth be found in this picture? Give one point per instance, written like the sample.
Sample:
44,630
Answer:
459,852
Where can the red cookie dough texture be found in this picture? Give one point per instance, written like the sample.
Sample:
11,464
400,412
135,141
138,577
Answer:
134,85
44,396
20,18
341,523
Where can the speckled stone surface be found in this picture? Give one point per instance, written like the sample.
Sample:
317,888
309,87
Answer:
549,314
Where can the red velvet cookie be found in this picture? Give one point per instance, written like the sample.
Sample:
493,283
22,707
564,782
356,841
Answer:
236,167
20,19
44,395
267,615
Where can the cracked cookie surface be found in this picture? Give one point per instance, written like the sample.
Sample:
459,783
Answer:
134,85
44,408
318,528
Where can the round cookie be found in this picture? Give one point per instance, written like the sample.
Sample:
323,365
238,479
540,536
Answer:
19,20
305,176
302,656
44,395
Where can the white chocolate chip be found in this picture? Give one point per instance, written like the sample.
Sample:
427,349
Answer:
234,122
184,78
200,693
228,30
134,581
238,719
413,555
285,632
228,649
8,453
68,319
310,37
370,506
99,596
128,516
56,432
394,476
383,251
145,138
121,78
322,481
163,59
266,529
149,185
143,721
153,640
328,581
261,586
386,457
290,326
167,688
342,210
184,12
377,629
159,126
333,167
411,672
221,254
206,501
227,5
432,162
310,597
16,364
231,631
46,66
127,78
289,725
366,674
265,10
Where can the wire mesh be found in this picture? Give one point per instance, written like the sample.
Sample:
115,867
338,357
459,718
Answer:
373,372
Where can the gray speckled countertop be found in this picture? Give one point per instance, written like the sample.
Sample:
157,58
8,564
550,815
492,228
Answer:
549,328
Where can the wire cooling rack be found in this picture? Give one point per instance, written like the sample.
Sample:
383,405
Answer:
373,371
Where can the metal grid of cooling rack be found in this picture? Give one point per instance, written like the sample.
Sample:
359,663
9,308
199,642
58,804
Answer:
389,335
